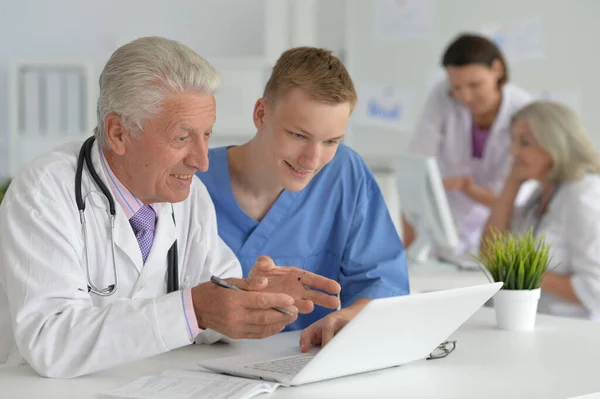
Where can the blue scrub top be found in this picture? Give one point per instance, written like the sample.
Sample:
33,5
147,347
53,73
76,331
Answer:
338,226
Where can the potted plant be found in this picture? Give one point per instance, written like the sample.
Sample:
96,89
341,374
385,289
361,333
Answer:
519,261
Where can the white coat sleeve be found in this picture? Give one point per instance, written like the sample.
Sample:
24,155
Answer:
518,222
223,260
583,238
427,136
220,260
57,329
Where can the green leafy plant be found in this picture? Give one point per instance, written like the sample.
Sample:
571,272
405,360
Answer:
3,189
517,260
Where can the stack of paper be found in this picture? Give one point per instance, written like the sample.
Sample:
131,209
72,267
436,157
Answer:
187,384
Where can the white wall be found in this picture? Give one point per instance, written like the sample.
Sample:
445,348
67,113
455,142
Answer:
568,62
68,29
73,27
33,30
331,25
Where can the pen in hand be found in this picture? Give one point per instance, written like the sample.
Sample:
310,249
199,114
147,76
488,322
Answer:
226,284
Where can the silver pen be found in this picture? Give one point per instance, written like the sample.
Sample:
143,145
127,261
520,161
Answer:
226,284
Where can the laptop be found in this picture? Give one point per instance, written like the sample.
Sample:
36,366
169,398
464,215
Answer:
388,332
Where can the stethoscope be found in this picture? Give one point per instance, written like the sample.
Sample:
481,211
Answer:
85,155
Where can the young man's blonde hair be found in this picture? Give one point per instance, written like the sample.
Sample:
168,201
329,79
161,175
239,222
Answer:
315,71
559,131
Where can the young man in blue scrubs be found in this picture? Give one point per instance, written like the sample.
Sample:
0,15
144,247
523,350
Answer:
297,195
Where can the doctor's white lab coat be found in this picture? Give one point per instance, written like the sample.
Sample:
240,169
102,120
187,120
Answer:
445,131
48,318
571,227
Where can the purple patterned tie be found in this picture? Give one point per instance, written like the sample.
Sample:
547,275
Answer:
143,223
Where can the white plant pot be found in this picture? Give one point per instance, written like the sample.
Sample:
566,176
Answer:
516,309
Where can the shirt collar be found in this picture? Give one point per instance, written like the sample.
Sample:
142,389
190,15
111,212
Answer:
129,203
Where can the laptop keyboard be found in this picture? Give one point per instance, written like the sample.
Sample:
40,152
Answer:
288,365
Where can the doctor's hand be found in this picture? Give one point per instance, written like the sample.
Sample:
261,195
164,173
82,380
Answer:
322,331
242,314
298,283
458,183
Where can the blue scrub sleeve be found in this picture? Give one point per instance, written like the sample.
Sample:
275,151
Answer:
374,260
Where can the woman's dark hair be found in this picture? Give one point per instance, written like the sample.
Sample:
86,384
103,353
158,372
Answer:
474,49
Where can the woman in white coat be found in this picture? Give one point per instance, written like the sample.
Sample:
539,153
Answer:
465,126
551,146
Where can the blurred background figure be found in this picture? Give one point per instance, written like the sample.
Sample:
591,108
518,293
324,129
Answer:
551,146
465,126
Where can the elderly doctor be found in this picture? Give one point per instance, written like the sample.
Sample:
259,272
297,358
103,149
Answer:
465,126
76,294
551,146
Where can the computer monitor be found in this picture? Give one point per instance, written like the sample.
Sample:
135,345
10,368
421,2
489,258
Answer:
425,206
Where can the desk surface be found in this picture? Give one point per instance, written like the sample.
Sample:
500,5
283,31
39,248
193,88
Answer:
555,361
435,275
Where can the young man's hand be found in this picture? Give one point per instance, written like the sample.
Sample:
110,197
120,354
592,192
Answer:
300,284
322,331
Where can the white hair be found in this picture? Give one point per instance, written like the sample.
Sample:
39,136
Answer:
139,75
559,131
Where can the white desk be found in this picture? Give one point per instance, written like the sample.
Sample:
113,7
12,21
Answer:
434,276
557,360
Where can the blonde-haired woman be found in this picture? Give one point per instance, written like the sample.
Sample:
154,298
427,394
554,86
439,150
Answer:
551,146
